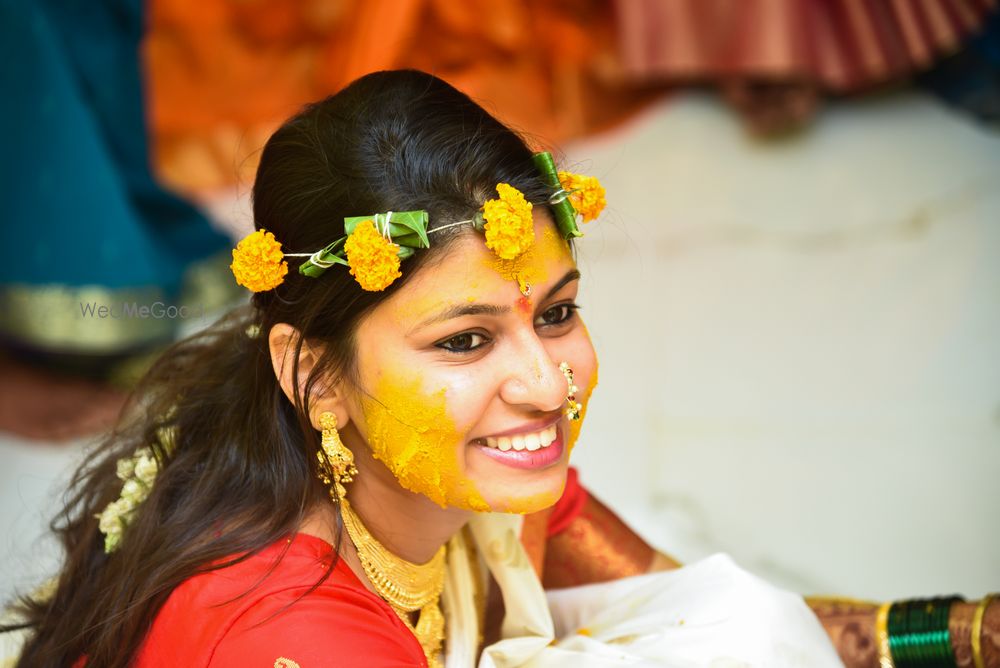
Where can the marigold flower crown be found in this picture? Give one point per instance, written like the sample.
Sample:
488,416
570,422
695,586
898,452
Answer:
374,245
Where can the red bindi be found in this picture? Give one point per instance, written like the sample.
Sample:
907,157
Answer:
524,305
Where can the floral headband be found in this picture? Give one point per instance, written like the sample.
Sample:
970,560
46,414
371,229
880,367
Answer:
374,245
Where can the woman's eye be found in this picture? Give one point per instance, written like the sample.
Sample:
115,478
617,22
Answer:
463,343
556,315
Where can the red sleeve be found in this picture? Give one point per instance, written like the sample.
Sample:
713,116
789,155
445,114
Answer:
569,506
332,627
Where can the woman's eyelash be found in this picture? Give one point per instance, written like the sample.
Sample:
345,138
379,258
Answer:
466,342
566,312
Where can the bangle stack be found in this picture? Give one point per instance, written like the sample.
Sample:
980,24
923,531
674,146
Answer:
915,634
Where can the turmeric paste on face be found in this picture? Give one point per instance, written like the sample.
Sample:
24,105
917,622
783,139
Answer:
529,268
412,434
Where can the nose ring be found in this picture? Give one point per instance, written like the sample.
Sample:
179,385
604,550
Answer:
573,407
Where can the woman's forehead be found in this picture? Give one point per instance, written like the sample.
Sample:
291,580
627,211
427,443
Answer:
470,273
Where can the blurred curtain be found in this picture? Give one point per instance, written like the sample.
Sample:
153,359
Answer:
839,45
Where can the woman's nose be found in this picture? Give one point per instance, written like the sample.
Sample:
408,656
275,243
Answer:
533,378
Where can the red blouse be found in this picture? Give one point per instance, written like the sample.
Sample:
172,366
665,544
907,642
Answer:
208,621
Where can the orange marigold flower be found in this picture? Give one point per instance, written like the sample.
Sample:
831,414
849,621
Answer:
258,263
588,198
374,260
509,227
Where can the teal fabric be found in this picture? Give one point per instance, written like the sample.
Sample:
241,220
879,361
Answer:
80,203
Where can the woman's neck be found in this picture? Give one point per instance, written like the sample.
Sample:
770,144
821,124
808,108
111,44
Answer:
409,525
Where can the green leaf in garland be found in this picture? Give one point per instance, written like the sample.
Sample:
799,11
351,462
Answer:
406,228
327,257
562,209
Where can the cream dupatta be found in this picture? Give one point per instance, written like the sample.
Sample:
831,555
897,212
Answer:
710,613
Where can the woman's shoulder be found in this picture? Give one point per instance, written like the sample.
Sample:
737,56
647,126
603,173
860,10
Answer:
285,620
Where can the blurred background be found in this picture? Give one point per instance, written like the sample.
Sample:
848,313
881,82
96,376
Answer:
794,291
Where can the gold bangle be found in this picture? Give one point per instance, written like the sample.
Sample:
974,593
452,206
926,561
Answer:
882,636
977,631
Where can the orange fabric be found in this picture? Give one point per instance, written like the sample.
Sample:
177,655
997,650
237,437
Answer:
588,543
540,526
579,541
839,45
340,623
534,534
224,73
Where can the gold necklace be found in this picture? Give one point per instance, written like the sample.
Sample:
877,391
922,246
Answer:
405,586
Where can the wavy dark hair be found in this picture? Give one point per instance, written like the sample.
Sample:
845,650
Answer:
241,474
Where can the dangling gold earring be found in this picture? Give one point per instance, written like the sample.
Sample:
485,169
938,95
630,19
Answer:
336,462
573,407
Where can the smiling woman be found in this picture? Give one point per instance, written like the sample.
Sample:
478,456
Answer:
369,465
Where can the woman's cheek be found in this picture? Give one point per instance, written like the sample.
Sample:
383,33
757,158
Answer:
414,435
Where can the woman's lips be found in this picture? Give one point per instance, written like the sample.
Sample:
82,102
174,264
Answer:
539,457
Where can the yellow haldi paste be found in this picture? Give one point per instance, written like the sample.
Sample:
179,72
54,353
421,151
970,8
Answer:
529,268
412,434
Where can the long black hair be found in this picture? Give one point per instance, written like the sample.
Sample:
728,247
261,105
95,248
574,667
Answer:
240,473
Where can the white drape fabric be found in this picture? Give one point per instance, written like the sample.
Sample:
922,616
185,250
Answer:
710,613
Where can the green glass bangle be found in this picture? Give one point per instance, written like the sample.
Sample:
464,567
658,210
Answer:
896,625
942,640
917,628
897,617
919,635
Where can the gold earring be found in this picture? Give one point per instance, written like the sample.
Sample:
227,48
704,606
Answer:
573,407
336,461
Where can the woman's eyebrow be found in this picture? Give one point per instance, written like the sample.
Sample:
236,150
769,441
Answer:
571,275
459,310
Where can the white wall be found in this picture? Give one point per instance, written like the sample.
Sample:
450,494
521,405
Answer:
800,343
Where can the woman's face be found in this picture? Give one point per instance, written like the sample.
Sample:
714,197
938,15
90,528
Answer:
460,394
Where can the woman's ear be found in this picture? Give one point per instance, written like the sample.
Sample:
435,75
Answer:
282,341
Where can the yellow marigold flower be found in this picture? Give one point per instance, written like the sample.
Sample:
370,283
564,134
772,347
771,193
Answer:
588,200
258,263
509,227
374,260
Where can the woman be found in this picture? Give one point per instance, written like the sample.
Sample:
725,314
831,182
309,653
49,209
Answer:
369,466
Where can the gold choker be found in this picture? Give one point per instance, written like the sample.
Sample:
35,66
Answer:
405,586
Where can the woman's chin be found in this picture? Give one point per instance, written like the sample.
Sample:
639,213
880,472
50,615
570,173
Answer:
529,494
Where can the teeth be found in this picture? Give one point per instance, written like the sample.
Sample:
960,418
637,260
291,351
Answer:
531,442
